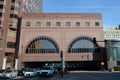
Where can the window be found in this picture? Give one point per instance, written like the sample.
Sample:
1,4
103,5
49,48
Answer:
87,24
0,42
38,23
77,23
13,0
10,45
27,23
17,1
13,16
1,6
12,24
1,14
42,45
97,24
1,22
68,24
11,33
48,23
58,24
14,8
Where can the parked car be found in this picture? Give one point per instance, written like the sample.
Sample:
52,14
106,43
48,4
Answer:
46,71
1,72
20,73
9,74
30,73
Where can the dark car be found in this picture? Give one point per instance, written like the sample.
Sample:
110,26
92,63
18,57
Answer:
20,73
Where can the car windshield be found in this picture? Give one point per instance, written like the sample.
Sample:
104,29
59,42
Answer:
1,71
46,68
8,71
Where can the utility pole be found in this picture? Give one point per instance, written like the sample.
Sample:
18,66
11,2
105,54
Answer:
63,62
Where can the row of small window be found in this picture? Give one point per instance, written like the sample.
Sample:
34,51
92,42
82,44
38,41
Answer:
59,24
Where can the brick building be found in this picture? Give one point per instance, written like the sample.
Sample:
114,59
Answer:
10,11
44,35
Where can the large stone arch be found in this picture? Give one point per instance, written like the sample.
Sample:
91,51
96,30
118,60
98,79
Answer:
42,45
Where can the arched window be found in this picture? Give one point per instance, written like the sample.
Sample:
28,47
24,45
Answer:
42,45
81,45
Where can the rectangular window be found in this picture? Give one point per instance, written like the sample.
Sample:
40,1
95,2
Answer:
1,14
14,8
13,0
58,24
11,33
77,23
13,16
10,45
27,23
38,23
13,24
97,24
1,22
1,6
87,24
48,23
68,24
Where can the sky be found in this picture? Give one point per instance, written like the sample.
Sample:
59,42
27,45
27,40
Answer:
110,9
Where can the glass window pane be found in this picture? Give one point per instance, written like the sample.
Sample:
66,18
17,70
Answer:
68,24
58,24
27,23
87,24
77,23
38,23
97,24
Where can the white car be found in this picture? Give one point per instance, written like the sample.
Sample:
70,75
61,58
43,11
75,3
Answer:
46,71
30,73
9,74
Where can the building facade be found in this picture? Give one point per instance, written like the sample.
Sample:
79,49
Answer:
43,36
9,14
113,53
32,6
112,34
112,37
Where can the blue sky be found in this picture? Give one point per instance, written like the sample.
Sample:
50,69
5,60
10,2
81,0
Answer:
110,9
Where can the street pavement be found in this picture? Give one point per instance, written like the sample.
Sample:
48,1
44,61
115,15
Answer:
79,75
90,75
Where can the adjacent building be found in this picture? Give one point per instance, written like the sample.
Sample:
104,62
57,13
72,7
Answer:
32,6
9,14
44,35
112,37
112,34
